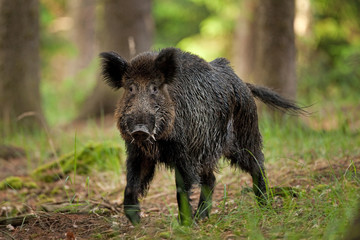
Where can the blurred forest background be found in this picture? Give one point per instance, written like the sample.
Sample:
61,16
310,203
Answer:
49,49
59,143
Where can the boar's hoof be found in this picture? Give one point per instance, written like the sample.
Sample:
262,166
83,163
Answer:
133,214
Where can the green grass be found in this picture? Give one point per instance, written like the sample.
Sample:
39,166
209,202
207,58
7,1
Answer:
293,138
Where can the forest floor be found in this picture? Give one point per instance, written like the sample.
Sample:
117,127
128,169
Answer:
317,189
46,212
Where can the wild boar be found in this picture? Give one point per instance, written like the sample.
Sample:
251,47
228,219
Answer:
184,112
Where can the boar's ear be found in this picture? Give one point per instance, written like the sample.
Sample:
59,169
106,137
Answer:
166,63
113,69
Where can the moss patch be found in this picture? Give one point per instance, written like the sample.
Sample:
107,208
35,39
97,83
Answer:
16,183
94,156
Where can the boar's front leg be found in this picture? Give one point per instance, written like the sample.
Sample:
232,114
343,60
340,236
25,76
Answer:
183,188
140,171
207,188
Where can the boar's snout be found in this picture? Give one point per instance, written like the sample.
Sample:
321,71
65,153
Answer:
141,126
140,132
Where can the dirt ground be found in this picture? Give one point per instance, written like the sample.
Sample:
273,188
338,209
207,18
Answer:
61,210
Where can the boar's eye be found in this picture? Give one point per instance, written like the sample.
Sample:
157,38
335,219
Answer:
132,89
153,89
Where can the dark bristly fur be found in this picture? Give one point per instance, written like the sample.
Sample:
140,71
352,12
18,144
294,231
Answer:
274,100
113,68
183,112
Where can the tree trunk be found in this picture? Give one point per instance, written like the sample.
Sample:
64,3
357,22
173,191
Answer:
245,40
19,64
275,57
82,34
127,29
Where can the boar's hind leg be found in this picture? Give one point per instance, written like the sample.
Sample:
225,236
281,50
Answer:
183,188
253,164
140,171
259,184
207,188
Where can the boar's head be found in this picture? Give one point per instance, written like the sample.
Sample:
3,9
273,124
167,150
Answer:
145,112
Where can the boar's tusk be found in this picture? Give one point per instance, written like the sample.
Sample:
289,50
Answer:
153,137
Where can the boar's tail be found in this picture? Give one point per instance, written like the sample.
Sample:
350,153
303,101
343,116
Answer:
274,100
